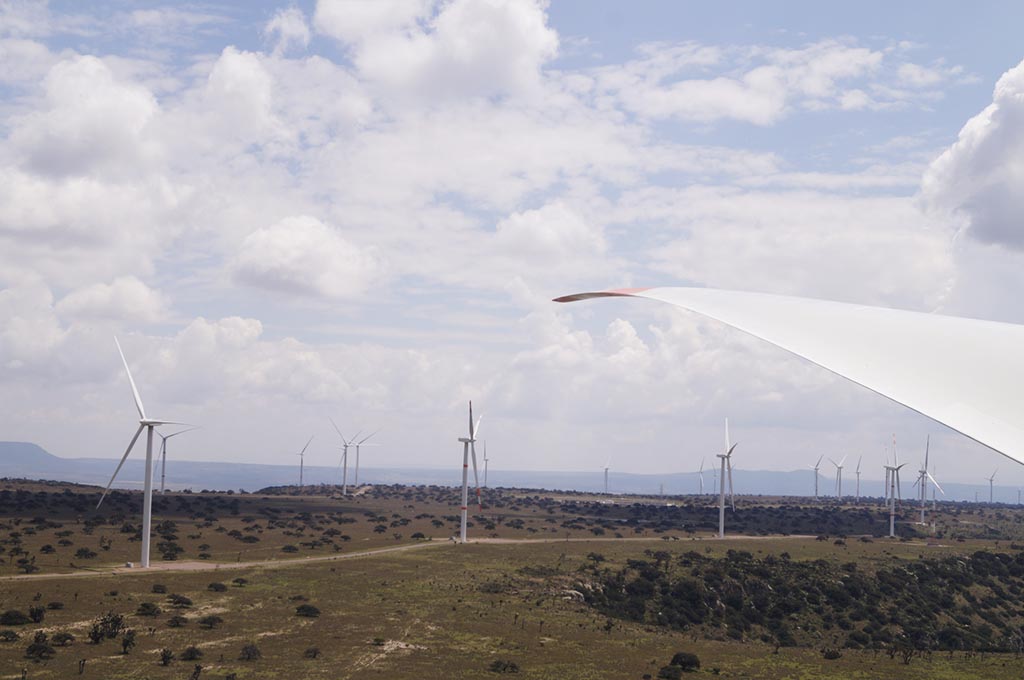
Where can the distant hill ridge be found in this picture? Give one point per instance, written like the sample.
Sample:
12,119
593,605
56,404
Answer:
26,453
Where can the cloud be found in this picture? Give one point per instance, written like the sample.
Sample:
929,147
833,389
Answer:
126,298
979,177
303,256
468,49
288,29
551,233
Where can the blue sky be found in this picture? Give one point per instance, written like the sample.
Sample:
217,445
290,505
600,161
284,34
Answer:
294,210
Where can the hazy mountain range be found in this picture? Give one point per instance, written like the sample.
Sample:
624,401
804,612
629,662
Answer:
29,461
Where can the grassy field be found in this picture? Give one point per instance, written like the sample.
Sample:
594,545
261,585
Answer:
438,611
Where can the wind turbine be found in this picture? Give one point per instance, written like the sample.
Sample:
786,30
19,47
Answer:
700,476
486,459
358,444
892,485
607,466
468,446
859,459
148,424
163,454
923,476
302,460
726,469
991,482
839,476
815,467
343,463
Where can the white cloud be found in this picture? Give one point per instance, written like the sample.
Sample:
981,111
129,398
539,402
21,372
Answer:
288,29
125,298
550,233
301,255
980,176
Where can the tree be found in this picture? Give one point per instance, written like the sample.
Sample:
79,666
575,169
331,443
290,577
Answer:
312,653
166,657
307,610
14,617
211,621
191,653
148,609
128,641
217,587
685,660
40,648
250,652
502,666
177,621
36,614
62,639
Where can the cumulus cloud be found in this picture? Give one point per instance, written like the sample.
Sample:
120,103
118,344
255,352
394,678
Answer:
126,298
302,255
552,232
288,30
980,176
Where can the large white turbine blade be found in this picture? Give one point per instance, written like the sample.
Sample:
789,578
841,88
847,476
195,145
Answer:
818,464
843,460
360,442
306,446
726,434
935,483
123,459
175,434
471,419
832,461
728,465
927,444
476,428
964,373
858,463
131,381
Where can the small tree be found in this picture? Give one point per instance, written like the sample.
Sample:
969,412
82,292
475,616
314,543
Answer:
307,610
240,582
14,617
250,652
191,653
62,639
37,614
686,660
40,648
211,621
177,621
502,666
311,653
148,609
128,641
217,587
166,657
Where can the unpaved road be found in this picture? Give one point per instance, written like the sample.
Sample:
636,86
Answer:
192,565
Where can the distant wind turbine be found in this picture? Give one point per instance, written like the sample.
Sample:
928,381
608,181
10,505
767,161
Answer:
163,454
991,484
469,446
859,459
343,463
892,484
607,466
149,424
839,476
726,470
486,459
302,460
816,467
700,476
359,443
923,477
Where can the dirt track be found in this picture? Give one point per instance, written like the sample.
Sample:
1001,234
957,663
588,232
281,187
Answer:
193,565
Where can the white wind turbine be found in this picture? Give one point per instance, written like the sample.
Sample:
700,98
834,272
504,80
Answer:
149,424
700,476
486,459
469,446
726,470
343,463
991,485
859,459
892,485
607,466
163,454
839,476
923,477
302,460
816,467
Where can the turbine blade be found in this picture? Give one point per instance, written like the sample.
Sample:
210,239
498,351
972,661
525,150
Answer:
175,434
476,477
336,428
366,437
470,418
123,458
843,461
818,463
135,390
936,484
306,446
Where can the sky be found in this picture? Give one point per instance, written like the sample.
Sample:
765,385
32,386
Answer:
294,211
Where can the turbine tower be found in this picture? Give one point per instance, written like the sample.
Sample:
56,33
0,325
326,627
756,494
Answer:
991,483
148,424
163,454
892,486
726,470
343,463
486,459
839,476
302,460
700,476
815,467
468,446
923,477
859,459
607,466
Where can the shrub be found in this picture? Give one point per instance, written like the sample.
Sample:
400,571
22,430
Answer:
14,617
191,653
670,673
166,657
55,606
311,653
128,641
685,660
502,666
159,589
40,648
240,582
177,621
211,621
307,610
62,639
250,652
179,601
8,636
831,654
148,609
37,614
217,587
